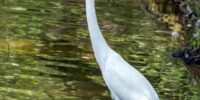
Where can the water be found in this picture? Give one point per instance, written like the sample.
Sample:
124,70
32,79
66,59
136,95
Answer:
45,51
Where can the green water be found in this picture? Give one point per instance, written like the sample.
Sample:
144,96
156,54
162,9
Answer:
45,51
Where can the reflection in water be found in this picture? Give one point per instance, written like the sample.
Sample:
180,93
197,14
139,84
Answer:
50,54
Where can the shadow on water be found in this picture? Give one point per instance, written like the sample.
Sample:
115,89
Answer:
50,56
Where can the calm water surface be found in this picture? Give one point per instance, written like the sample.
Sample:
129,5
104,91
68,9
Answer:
45,51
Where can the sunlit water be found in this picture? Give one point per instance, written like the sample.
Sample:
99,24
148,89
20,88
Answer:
45,51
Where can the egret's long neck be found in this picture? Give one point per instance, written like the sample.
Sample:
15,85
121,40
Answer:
99,44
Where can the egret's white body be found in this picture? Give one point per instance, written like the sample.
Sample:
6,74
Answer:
123,80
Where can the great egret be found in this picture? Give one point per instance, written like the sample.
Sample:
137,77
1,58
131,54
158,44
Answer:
123,80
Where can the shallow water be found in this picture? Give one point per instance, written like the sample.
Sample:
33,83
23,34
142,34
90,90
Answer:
45,51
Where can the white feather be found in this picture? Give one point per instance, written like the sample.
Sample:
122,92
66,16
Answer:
123,80
175,34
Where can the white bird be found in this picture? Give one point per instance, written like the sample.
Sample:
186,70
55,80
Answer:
123,80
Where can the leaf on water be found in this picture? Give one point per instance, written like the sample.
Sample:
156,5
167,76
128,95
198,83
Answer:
97,79
18,8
